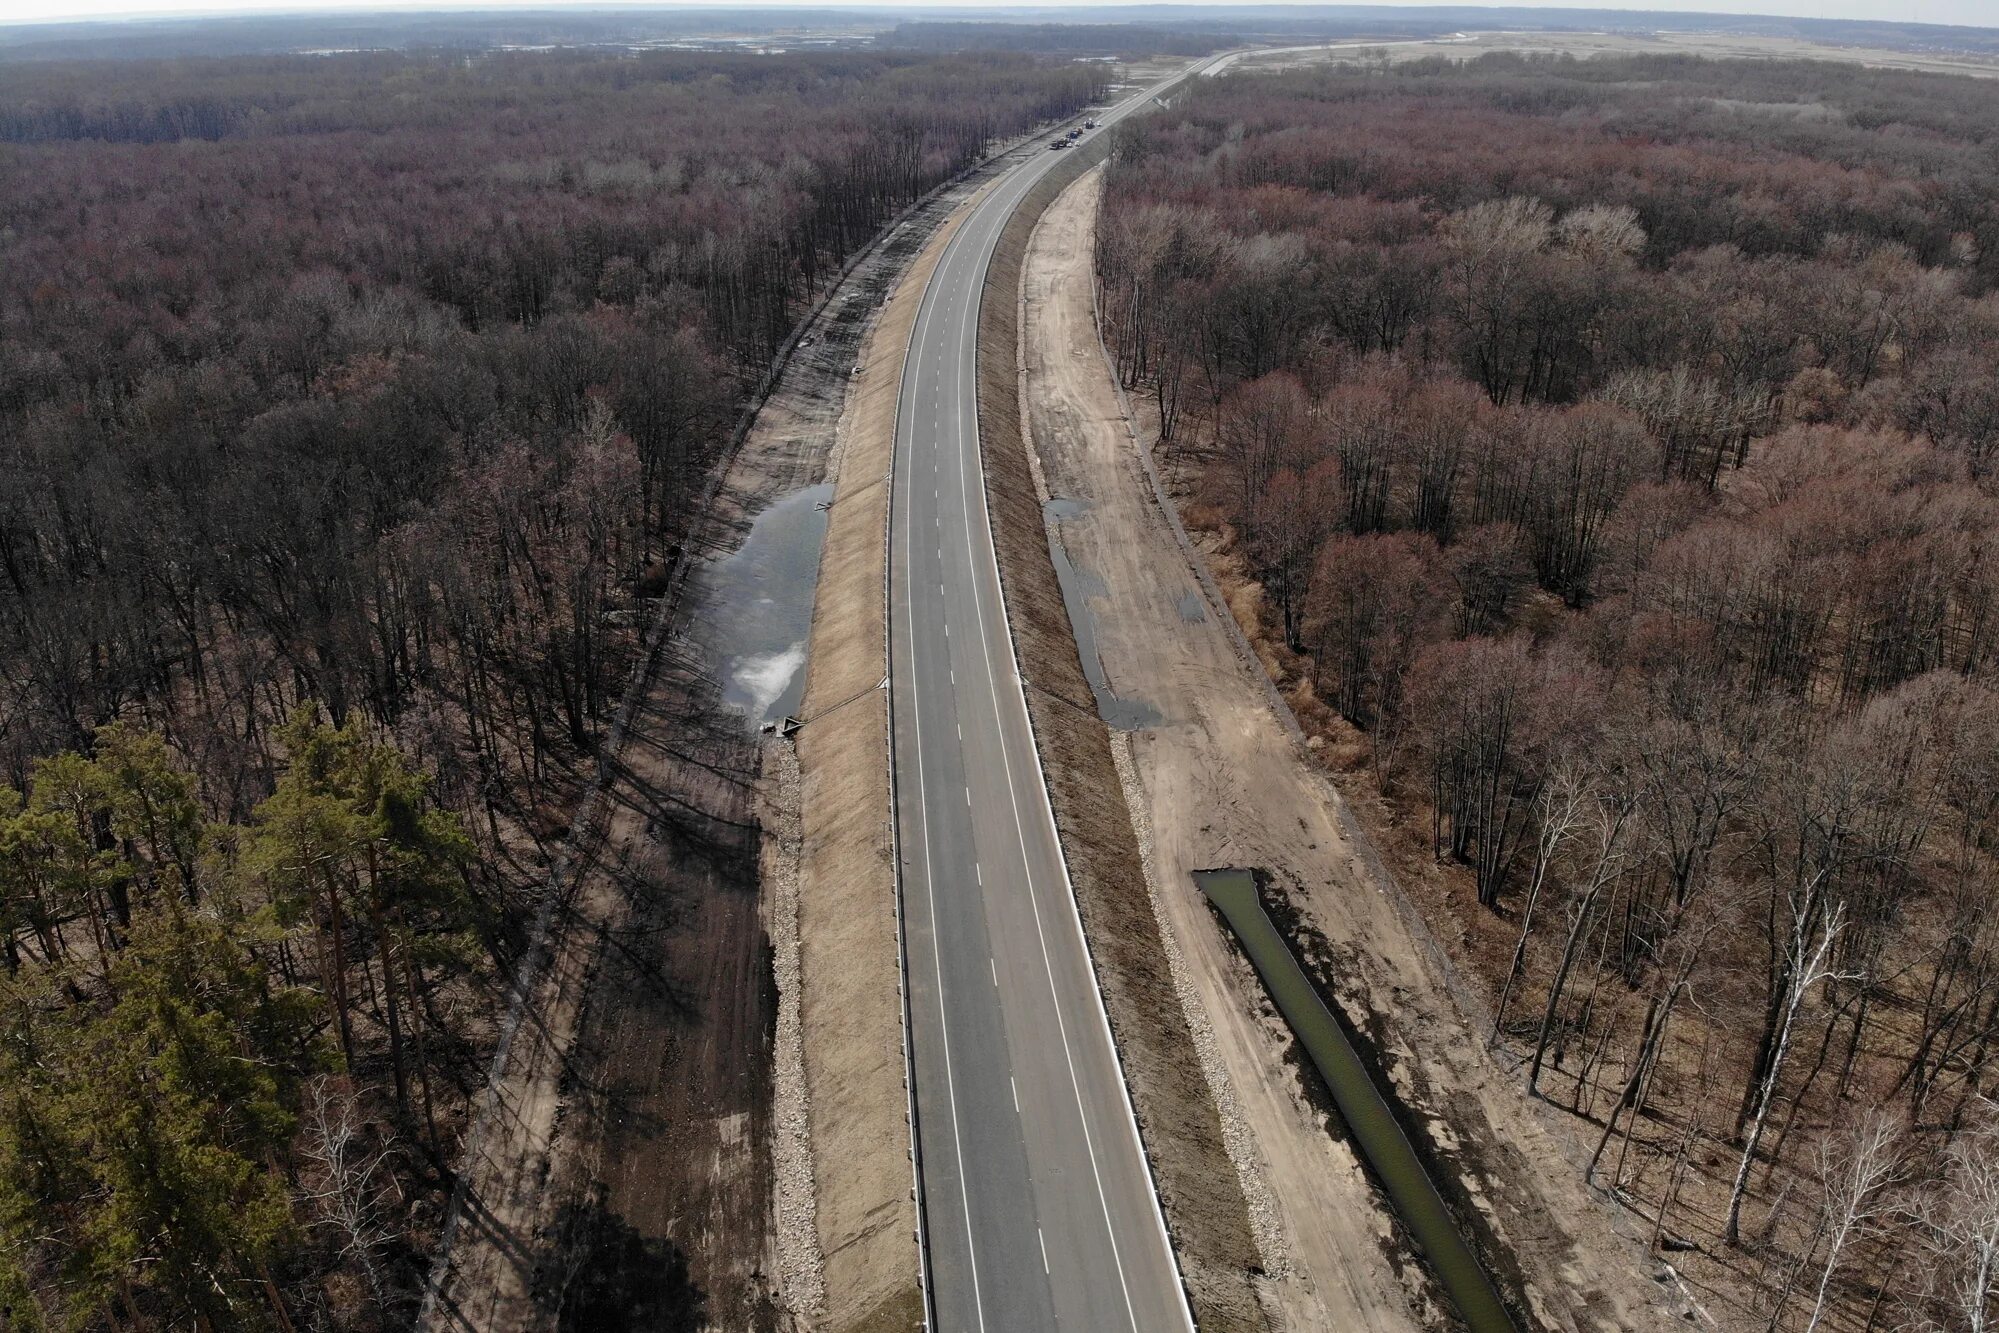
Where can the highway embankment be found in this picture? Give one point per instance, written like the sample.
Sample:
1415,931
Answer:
851,1013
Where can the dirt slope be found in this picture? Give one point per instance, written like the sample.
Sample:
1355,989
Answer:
852,988
1220,781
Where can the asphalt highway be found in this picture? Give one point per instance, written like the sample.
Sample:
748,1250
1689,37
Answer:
1039,1211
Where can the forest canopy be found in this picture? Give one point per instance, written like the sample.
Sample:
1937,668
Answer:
1608,456
356,413
373,379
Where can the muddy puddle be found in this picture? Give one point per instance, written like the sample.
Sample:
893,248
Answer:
1079,586
1369,1117
757,607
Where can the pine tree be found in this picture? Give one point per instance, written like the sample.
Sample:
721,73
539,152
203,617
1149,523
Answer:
182,1105
350,839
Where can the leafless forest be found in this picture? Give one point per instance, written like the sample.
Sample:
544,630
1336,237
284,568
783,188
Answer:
1608,451
354,410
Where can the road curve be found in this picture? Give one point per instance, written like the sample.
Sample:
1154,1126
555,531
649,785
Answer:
1039,1211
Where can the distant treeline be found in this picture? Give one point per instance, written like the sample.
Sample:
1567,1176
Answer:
1361,22
1127,39
276,34
1089,30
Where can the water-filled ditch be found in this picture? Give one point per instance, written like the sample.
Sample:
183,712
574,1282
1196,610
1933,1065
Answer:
1362,1104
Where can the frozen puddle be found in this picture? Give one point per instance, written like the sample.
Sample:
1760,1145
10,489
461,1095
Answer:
757,604
758,684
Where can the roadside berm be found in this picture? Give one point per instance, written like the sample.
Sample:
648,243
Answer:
852,1013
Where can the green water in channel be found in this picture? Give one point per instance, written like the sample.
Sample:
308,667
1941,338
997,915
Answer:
1376,1132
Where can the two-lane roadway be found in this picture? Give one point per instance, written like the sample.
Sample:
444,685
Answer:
1039,1210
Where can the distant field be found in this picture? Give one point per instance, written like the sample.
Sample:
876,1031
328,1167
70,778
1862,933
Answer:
1586,44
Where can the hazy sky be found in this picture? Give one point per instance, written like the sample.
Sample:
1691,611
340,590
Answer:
1982,13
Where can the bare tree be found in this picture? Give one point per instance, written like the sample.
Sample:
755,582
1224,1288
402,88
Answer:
1960,1218
1561,808
1606,858
1688,946
1490,250
1857,1172
349,1183
1603,234
1813,935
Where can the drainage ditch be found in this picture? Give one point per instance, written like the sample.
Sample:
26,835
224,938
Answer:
1370,1118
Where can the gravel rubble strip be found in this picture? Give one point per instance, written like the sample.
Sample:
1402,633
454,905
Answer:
795,1201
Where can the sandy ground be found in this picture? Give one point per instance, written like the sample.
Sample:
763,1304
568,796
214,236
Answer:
1222,780
1179,1121
1721,46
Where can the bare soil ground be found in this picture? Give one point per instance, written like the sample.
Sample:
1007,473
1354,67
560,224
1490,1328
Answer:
1721,46
1179,1120
1223,779
628,1163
